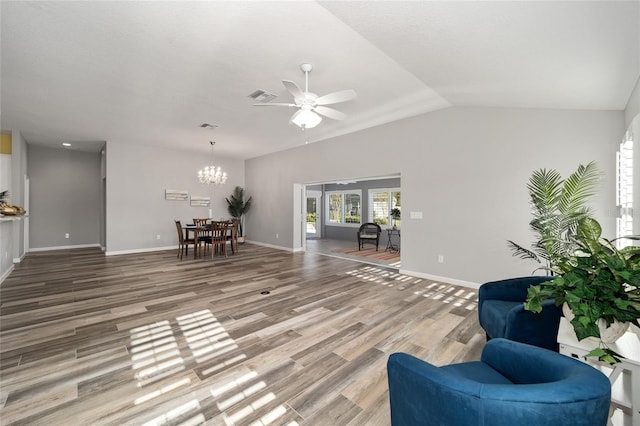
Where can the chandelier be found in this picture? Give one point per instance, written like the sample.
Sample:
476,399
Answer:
212,174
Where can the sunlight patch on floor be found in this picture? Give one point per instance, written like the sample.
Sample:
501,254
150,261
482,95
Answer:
157,354
177,412
384,277
450,294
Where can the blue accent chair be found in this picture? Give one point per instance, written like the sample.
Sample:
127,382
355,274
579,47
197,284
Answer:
501,313
513,384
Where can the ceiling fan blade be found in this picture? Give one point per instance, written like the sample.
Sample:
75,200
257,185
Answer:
275,104
293,89
336,97
330,112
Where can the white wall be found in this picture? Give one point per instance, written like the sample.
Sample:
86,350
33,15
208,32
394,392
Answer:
13,169
19,172
6,224
465,169
137,176
632,123
634,128
633,106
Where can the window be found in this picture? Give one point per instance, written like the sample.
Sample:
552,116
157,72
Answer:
344,207
624,190
381,202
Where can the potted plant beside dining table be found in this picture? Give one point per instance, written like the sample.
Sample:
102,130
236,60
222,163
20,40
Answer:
237,208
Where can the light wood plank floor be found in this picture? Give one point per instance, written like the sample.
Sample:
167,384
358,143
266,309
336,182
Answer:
148,339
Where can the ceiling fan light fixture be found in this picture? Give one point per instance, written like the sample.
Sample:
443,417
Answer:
306,119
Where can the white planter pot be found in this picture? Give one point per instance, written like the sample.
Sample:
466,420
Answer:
607,334
566,310
613,332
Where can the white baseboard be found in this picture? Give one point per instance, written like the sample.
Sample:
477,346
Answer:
19,259
7,273
447,280
63,247
289,249
143,250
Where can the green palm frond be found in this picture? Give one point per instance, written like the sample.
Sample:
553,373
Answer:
545,187
579,187
557,207
522,252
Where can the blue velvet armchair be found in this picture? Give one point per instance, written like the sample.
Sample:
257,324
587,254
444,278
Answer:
501,313
513,384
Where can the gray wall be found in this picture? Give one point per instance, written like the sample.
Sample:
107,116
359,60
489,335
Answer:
137,176
465,169
65,197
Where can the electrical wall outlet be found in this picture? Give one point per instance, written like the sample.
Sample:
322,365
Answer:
158,237
66,235
277,236
440,258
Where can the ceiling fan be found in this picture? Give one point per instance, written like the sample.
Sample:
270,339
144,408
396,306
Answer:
312,106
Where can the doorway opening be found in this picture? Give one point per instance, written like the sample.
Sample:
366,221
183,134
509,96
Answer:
333,211
313,229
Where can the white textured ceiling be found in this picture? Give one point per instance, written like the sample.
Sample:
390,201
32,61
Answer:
152,72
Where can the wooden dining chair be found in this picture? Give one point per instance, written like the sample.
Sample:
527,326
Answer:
183,243
233,235
219,230
204,236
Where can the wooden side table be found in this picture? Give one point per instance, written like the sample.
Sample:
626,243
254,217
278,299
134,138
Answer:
624,376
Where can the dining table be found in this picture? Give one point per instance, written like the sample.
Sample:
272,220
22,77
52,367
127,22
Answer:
200,230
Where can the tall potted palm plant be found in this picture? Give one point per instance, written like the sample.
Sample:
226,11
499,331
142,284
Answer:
237,208
557,205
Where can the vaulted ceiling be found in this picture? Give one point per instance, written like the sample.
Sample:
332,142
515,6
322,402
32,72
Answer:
152,72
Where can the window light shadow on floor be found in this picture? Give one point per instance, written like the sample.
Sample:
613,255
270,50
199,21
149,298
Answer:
159,352
447,293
